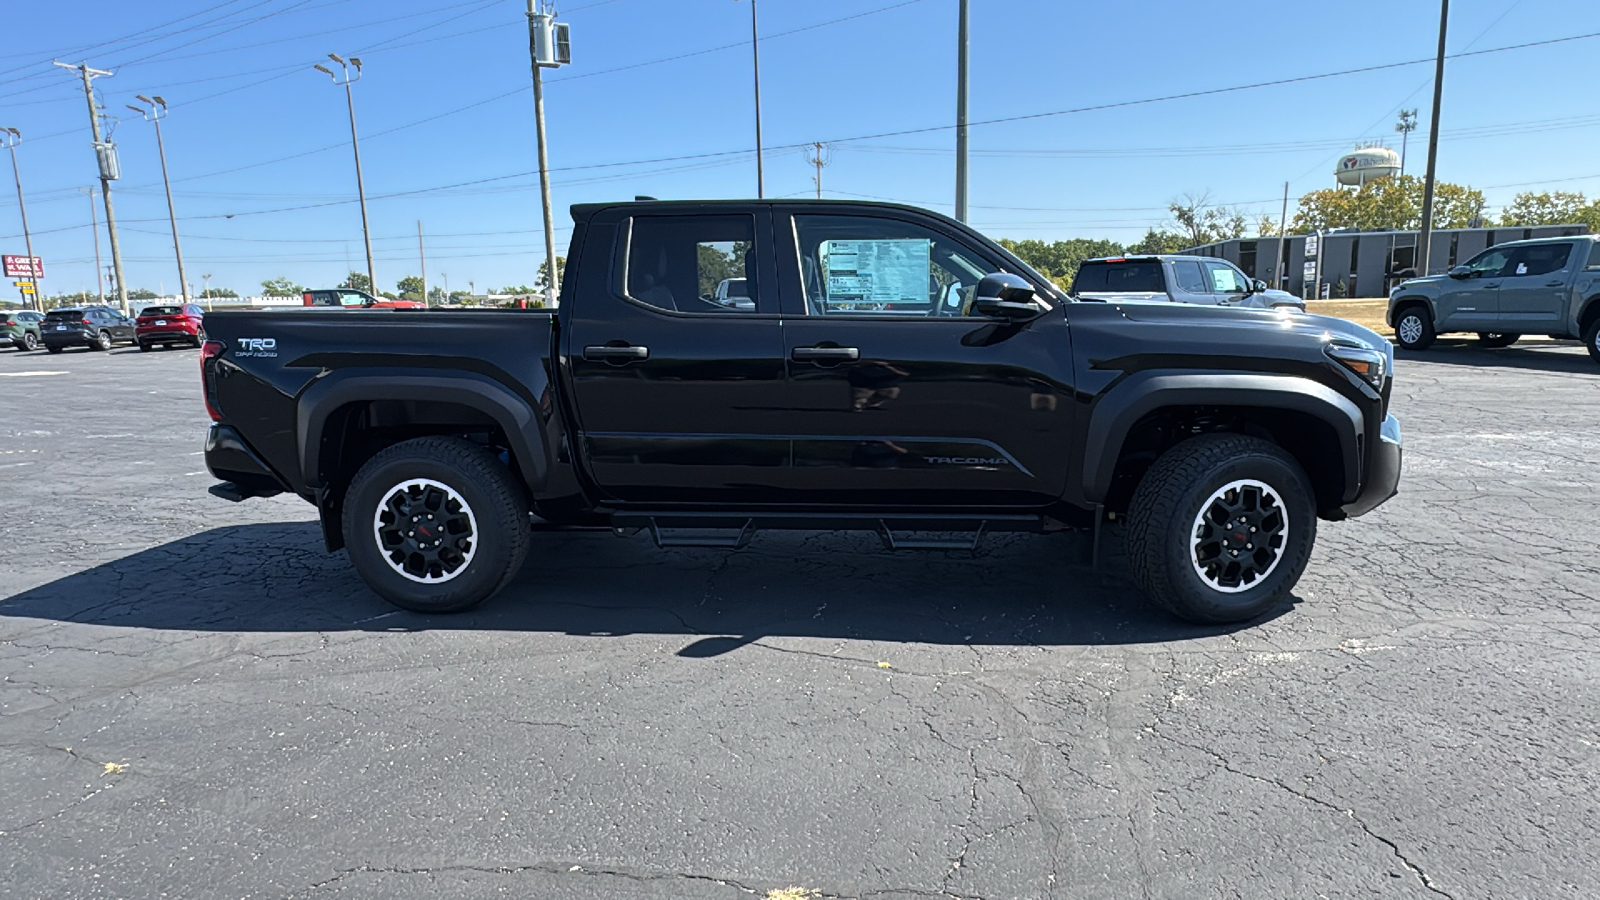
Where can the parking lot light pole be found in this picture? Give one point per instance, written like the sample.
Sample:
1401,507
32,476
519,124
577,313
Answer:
355,145
961,114
12,138
1425,235
156,111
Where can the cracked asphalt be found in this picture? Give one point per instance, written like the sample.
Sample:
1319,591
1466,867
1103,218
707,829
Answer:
196,700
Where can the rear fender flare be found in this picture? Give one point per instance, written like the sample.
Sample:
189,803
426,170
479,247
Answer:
516,418
1135,397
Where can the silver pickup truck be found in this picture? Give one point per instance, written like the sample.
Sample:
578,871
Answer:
1201,280
1549,286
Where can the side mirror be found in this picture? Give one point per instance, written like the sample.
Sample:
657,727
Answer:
1003,295
1460,272
1257,286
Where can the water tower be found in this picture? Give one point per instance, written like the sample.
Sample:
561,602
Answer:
1367,164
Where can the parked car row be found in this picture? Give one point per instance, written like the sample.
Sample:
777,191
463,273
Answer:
101,328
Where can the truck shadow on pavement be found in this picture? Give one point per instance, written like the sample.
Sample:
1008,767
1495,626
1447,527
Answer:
1018,590
1564,356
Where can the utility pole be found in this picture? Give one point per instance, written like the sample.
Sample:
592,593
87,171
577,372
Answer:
94,228
157,112
1406,125
818,157
1425,237
1283,239
961,115
423,256
755,58
355,145
547,48
12,138
106,157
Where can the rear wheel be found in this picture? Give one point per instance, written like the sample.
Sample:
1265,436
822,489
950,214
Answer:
1221,528
102,341
1591,338
53,348
436,524
1497,339
1413,329
30,341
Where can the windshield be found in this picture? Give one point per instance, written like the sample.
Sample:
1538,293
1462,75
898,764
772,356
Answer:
162,311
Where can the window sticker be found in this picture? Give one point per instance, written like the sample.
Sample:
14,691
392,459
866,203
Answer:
865,276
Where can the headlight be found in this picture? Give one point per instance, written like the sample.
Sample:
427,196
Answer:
1371,365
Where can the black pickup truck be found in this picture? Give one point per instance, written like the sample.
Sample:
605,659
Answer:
896,371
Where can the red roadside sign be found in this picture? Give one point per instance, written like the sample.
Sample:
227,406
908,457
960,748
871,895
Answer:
19,266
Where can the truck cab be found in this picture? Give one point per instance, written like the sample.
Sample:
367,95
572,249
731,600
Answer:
1199,280
352,298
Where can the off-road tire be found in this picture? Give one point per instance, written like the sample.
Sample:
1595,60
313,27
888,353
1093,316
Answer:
1417,337
498,510
1162,526
1493,339
1591,339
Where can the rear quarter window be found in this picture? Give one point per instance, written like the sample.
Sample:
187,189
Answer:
1594,256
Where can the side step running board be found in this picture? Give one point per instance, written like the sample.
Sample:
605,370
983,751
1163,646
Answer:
670,530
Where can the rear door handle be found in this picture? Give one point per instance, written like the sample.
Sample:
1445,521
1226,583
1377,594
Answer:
1557,283
835,354
615,351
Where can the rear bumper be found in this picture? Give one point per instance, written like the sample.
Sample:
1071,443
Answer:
68,338
1382,471
159,335
233,461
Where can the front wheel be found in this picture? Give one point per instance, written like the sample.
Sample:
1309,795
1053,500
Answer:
1413,330
1220,528
1591,339
1493,339
436,524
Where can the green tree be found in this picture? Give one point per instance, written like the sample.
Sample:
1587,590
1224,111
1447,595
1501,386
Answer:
1202,222
280,287
515,289
543,281
410,287
1160,240
142,294
357,281
1388,204
1059,260
717,264
220,292
463,297
1551,208
437,295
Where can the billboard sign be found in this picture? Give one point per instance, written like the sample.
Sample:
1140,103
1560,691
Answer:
19,266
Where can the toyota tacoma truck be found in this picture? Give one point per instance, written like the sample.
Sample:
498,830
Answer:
1548,286
896,372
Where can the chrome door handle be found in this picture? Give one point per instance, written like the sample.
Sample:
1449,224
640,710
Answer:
805,354
615,351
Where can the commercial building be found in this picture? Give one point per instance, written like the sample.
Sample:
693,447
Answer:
1355,263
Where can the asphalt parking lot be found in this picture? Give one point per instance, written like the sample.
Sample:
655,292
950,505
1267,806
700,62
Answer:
195,700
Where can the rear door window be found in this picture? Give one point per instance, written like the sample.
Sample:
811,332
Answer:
1539,259
692,264
1186,272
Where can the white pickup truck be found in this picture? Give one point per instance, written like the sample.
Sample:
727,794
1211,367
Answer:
1201,280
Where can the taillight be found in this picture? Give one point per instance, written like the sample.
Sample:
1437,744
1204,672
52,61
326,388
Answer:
87,322
209,351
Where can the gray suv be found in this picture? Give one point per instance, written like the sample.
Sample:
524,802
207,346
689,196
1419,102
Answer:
1548,286
1202,280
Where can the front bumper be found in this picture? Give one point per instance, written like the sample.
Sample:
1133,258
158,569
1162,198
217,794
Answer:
1382,470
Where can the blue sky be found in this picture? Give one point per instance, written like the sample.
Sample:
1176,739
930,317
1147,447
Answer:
445,112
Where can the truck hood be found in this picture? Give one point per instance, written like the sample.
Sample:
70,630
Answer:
1244,321
1427,284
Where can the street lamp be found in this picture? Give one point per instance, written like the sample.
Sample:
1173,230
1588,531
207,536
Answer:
361,191
12,137
155,110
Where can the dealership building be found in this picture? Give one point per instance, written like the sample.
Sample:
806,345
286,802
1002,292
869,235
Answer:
1354,263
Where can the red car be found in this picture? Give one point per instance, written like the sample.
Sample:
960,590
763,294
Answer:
350,298
168,325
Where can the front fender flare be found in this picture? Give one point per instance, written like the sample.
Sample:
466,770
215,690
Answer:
1115,414
515,416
